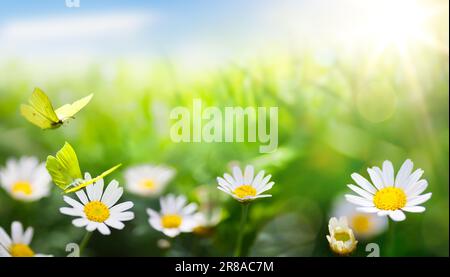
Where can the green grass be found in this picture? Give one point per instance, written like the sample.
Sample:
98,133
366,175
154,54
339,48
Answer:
334,119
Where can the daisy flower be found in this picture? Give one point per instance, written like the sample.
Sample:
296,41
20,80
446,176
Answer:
364,225
148,180
25,179
387,195
341,238
205,220
245,187
18,245
97,209
175,216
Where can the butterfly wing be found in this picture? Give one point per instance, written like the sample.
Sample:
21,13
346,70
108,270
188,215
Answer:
35,117
64,168
88,182
69,110
41,103
40,111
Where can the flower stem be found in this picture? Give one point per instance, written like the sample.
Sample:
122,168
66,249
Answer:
391,239
85,241
238,250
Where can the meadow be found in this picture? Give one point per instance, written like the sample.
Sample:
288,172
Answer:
337,115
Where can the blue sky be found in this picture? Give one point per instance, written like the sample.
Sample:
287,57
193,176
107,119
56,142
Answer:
165,25
198,30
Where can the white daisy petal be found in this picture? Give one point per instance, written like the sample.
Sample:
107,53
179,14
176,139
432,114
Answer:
122,207
163,204
403,173
266,187
91,226
363,183
417,200
16,232
155,222
103,229
368,209
230,180
180,201
112,193
4,252
382,213
397,215
361,192
417,188
71,211
188,224
376,177
171,203
258,179
224,184
263,182
97,190
413,178
80,222
82,196
237,173
5,240
226,191
75,204
90,192
388,173
171,232
414,209
115,197
116,224
248,175
262,196
124,216
152,213
357,200
381,174
42,255
189,209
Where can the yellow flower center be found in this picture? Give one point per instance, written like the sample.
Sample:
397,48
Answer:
20,250
96,211
22,187
147,184
361,223
171,221
244,191
342,236
390,198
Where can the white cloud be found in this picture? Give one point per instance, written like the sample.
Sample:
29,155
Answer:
74,27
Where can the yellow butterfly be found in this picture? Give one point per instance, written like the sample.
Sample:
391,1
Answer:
65,170
40,111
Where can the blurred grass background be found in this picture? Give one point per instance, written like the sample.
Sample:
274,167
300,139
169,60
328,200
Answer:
334,120
337,115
